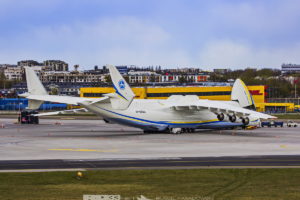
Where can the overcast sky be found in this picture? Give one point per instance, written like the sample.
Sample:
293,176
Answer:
170,33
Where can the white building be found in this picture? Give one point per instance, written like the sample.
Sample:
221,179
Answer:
73,77
143,77
14,73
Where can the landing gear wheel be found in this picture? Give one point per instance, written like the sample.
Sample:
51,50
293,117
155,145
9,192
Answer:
176,130
190,130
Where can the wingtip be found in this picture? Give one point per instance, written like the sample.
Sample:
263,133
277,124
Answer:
272,117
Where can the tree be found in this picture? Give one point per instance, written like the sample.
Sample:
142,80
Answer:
279,88
5,83
268,72
126,78
152,78
217,77
107,79
182,79
53,91
2,80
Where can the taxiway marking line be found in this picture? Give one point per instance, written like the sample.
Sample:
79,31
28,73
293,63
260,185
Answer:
86,150
199,166
257,160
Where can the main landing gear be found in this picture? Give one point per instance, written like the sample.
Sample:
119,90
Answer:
181,130
173,130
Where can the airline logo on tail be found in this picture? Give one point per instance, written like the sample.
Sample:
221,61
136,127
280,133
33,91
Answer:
121,84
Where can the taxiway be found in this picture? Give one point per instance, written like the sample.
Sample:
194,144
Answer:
65,140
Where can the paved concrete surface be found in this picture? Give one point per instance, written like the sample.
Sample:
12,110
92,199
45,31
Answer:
187,163
93,139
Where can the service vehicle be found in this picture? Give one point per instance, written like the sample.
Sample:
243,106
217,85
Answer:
291,124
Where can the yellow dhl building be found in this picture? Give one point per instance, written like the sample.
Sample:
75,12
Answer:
221,93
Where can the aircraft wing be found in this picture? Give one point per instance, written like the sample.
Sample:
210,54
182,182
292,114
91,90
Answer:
62,112
217,107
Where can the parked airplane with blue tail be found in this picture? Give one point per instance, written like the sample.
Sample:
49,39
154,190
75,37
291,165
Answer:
176,114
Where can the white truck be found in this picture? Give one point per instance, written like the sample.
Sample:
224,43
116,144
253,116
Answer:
291,124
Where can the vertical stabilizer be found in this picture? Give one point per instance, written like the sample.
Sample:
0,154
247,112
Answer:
124,95
241,94
35,87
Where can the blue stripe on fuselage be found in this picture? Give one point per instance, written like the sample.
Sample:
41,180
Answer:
219,123
161,127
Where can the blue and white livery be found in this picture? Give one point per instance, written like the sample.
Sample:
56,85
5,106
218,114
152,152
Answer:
176,114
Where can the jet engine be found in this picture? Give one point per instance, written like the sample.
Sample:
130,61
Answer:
223,117
232,118
245,120
220,116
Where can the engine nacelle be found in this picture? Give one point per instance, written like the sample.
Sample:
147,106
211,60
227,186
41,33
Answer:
232,118
245,120
227,117
220,116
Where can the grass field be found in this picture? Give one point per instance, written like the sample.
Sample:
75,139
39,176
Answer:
288,116
198,184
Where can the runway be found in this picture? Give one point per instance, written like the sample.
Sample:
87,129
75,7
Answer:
200,162
64,143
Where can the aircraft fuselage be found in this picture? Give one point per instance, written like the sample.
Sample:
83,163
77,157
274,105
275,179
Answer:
155,115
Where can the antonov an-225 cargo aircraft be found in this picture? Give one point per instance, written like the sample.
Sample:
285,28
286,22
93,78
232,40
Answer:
176,114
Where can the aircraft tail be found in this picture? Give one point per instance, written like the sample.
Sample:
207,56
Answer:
241,94
124,95
35,87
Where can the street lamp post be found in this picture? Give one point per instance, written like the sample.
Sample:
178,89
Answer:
20,103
